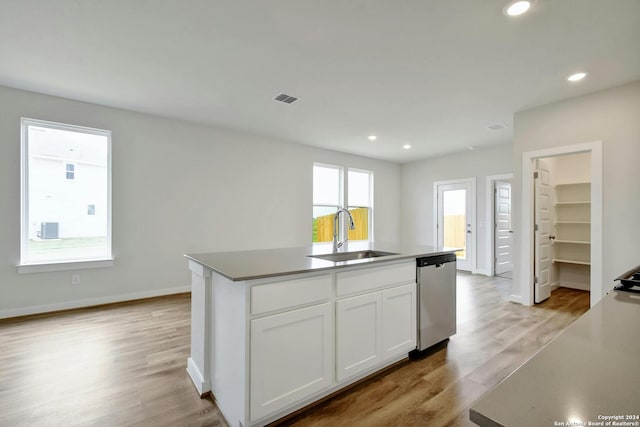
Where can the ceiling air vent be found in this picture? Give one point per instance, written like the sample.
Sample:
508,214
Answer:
499,126
283,97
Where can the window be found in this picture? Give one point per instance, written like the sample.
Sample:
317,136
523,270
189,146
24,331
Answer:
70,170
65,217
327,199
332,192
360,202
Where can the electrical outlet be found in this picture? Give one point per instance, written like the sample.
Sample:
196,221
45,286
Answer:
75,279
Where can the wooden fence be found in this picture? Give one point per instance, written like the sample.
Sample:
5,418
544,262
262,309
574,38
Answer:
455,232
454,227
323,226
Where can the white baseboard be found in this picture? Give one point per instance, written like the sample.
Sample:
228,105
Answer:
482,271
515,298
554,286
197,379
88,302
575,285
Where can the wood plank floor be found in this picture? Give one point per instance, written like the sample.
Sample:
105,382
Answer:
124,365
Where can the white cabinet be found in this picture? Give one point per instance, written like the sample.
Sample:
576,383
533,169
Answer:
290,293
368,279
274,345
358,334
291,357
376,326
398,320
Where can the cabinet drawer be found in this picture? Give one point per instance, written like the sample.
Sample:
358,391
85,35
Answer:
291,293
351,282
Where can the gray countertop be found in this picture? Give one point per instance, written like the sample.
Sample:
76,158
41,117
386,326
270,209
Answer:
590,371
258,264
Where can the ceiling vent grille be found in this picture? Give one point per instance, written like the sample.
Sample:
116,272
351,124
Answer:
498,126
287,99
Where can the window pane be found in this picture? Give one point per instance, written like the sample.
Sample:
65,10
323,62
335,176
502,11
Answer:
323,223
67,172
359,188
326,186
361,221
454,231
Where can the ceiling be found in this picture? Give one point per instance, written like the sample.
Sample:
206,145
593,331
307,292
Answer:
431,73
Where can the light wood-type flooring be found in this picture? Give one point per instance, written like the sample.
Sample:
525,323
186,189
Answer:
124,365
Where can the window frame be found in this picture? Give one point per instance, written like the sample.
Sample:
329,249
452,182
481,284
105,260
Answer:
371,201
340,170
344,199
27,265
71,171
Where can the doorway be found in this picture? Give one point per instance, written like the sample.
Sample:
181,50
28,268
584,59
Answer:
499,246
562,219
561,223
503,232
455,219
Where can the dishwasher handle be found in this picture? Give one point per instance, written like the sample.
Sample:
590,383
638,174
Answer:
436,260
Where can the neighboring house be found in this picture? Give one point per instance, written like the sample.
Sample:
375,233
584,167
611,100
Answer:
65,186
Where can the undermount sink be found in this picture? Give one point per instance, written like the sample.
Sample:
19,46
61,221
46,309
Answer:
349,256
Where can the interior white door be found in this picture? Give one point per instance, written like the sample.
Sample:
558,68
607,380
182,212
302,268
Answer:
542,229
455,213
503,239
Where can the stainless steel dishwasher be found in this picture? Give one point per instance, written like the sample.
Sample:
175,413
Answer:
436,276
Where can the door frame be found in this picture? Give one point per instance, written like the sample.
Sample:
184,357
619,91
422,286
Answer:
474,233
526,228
490,202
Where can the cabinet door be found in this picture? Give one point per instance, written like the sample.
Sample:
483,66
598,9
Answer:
291,357
359,334
399,308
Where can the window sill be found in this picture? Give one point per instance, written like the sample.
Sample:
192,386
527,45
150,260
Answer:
43,267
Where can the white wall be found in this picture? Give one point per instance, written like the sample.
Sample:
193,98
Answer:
417,192
570,169
177,188
612,116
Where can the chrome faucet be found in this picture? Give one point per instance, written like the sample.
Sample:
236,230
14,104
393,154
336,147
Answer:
352,226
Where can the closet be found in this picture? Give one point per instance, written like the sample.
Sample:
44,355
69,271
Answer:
571,232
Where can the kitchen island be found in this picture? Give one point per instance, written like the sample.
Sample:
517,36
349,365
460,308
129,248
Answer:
275,330
586,376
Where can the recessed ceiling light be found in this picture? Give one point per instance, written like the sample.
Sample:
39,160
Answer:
576,77
471,148
517,7
372,137
406,146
